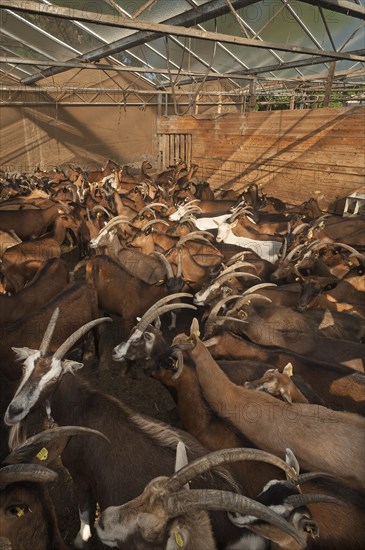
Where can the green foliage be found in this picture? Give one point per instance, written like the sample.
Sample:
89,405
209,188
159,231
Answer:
309,100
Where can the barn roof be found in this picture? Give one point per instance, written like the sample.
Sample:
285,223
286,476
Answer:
155,45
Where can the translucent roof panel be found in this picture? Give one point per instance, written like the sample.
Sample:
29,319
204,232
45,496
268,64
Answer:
296,23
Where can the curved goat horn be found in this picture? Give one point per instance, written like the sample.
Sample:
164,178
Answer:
283,250
32,445
179,263
164,301
26,472
292,253
236,257
308,476
145,209
49,332
194,235
64,205
235,266
152,222
163,205
255,288
237,274
251,298
219,319
215,309
72,339
297,272
239,212
102,208
320,219
145,321
299,228
114,221
211,460
353,251
166,263
303,499
212,499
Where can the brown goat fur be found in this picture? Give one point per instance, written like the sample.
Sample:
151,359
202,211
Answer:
339,386
27,518
29,331
51,278
321,439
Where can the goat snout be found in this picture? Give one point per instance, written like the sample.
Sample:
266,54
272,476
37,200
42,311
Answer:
100,524
12,414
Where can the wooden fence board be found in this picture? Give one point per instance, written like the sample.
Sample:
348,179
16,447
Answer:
293,154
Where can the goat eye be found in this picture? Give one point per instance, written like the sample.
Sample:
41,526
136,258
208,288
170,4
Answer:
148,336
18,510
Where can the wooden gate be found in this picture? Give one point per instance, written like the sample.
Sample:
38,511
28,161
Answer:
173,147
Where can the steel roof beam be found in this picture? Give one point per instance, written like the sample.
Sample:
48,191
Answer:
307,62
117,68
194,16
341,6
118,21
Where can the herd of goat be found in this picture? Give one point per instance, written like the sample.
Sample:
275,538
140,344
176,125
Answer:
267,375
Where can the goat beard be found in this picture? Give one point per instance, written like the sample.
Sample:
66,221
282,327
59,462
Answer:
17,435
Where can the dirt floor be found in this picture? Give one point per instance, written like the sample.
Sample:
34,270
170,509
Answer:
134,388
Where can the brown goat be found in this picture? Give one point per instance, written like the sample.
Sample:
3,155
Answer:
18,275
27,517
29,224
97,175
167,516
108,476
278,384
42,248
322,439
124,294
51,278
339,386
322,334
29,330
211,431
7,240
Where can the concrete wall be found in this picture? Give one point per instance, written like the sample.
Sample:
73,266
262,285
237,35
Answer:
87,135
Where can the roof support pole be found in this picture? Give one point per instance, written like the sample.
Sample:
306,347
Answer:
328,88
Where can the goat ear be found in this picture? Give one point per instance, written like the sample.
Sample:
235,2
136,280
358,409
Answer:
157,323
179,537
71,366
194,327
288,370
211,342
149,525
286,396
23,353
181,459
292,461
